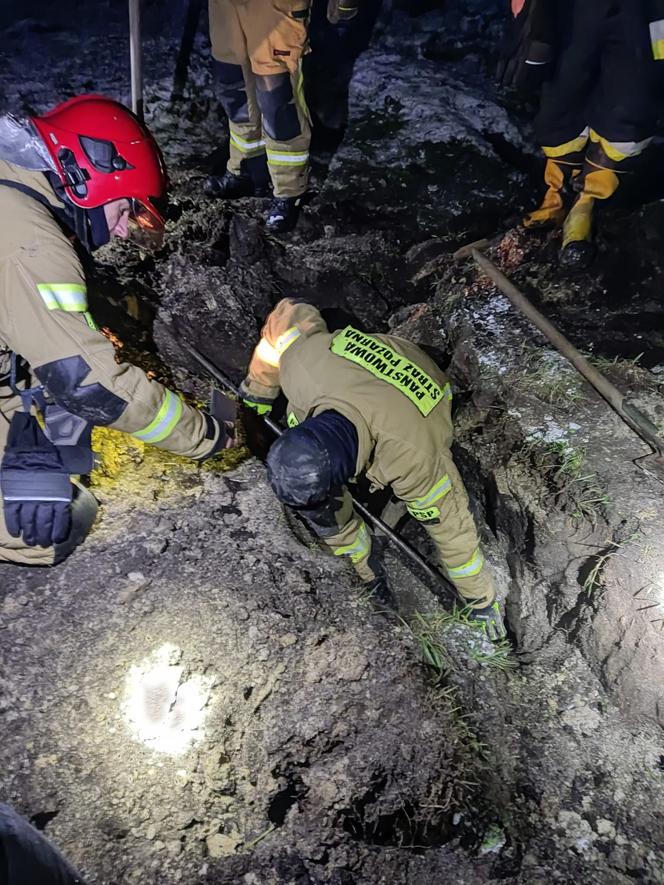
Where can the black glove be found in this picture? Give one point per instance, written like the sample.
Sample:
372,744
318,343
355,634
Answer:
379,592
529,48
490,620
35,485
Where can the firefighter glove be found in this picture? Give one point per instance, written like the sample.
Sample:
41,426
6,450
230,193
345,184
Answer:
35,485
490,620
528,52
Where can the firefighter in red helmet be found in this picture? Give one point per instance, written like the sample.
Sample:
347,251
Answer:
88,168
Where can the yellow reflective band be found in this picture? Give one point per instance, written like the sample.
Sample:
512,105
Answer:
359,548
89,319
267,353
441,488
246,146
657,39
468,569
385,364
285,340
71,297
164,421
291,420
271,354
570,147
292,158
447,391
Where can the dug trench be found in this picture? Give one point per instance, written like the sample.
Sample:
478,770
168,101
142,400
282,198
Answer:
200,694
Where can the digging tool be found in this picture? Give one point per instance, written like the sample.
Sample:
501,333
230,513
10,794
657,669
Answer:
653,463
135,59
378,523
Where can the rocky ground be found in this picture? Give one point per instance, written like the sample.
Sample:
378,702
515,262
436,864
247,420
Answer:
200,694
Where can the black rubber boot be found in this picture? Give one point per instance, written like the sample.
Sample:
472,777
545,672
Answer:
283,214
232,187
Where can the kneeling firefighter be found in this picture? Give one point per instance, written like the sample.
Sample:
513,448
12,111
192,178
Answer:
258,47
600,66
375,404
87,168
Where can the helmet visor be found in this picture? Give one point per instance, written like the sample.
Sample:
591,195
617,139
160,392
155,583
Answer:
146,225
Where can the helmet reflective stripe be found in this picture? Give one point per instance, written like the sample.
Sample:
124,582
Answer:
164,421
71,297
360,546
468,569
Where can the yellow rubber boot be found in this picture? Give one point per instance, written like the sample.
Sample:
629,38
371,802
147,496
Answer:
551,213
599,183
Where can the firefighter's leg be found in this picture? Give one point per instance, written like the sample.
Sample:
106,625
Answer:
563,164
286,130
606,162
277,40
346,533
246,168
622,119
83,513
445,513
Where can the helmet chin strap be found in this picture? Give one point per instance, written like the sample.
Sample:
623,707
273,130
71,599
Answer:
89,225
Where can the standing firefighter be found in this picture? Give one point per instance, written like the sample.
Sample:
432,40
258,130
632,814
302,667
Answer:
599,108
87,168
258,47
375,404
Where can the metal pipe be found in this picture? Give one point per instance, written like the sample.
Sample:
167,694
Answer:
135,58
635,419
377,522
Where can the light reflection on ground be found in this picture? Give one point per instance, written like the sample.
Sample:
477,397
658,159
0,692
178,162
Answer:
164,706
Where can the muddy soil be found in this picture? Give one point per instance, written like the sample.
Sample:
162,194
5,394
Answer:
201,694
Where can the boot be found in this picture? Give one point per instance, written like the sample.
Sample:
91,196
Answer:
232,187
283,214
558,173
598,181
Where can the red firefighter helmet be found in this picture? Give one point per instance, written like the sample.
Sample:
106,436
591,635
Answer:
102,152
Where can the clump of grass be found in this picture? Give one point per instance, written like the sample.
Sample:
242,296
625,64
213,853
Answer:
563,467
549,377
430,628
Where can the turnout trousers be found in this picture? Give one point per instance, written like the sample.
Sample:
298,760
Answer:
605,81
258,47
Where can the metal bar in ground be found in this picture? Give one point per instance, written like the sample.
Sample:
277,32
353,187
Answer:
135,58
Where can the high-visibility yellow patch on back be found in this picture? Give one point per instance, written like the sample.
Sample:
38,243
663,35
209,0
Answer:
397,370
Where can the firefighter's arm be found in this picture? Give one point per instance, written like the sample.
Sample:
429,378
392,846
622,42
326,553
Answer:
288,321
48,324
340,11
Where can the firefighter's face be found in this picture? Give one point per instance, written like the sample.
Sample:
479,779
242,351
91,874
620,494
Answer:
117,217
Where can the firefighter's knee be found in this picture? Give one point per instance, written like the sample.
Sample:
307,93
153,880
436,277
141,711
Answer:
274,94
232,91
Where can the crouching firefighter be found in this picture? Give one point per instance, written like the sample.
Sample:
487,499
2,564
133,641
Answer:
600,102
87,168
258,47
375,404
